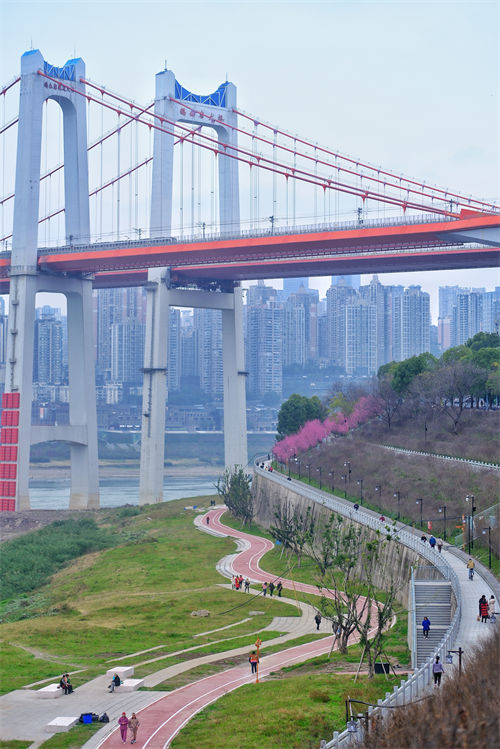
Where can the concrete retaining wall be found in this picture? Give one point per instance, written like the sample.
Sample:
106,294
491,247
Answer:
268,495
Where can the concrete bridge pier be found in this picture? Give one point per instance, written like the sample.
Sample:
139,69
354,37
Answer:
40,82
160,297
154,388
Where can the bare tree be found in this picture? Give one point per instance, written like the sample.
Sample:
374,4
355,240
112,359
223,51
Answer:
453,388
341,591
351,597
390,401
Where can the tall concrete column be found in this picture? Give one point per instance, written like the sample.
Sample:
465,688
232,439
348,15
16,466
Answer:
233,362
163,158
154,389
82,398
26,281
229,195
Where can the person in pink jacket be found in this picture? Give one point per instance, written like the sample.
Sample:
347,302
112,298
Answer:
123,723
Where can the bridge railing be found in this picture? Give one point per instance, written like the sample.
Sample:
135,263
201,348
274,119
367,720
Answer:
417,684
276,231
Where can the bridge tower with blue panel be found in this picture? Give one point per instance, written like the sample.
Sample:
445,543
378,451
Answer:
41,81
174,103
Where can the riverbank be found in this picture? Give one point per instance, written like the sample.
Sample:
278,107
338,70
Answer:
121,469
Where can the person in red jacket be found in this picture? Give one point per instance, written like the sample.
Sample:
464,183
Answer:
483,609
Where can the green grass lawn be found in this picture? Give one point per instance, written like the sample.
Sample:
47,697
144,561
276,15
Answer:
282,712
75,738
137,595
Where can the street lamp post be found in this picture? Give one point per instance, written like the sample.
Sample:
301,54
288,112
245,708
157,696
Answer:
470,522
360,484
320,468
420,502
344,478
332,474
308,466
297,460
347,465
489,543
398,495
443,510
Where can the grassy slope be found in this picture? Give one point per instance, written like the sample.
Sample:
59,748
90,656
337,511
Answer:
127,599
438,482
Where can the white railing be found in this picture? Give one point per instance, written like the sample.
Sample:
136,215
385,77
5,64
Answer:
418,683
228,235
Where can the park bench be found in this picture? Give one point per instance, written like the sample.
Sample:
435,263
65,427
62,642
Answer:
129,685
124,672
51,691
63,723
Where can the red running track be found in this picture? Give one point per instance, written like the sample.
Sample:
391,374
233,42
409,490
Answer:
162,720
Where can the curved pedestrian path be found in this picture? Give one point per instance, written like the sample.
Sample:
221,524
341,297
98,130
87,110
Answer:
162,720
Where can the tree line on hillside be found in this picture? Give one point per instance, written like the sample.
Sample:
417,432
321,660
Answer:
420,387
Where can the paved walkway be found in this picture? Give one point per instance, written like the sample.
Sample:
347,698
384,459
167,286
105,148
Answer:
163,720
163,714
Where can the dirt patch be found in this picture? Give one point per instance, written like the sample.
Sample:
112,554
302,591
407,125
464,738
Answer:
14,524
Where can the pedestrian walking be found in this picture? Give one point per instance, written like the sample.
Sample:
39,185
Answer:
491,609
236,583
271,589
440,545
483,609
432,542
437,670
264,588
423,538
123,723
279,588
247,585
317,619
356,506
207,520
426,625
241,582
253,660
133,724
470,567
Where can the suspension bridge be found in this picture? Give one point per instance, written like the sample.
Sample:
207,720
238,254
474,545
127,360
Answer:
187,195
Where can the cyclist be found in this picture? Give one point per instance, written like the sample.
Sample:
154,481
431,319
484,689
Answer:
470,567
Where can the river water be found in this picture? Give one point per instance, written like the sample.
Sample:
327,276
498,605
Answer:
48,494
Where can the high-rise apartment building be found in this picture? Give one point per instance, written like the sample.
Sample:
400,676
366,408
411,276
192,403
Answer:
337,299
411,323
174,350
48,352
264,343
127,352
208,329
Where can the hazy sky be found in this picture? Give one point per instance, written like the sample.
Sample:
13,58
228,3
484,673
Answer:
409,85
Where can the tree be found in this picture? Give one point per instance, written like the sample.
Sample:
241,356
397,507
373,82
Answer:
372,621
295,411
407,370
388,399
282,530
483,340
454,386
234,486
336,556
351,596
